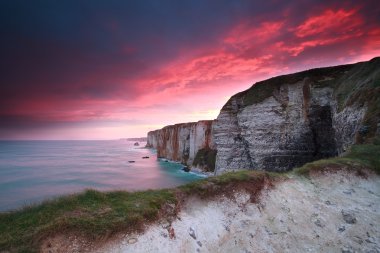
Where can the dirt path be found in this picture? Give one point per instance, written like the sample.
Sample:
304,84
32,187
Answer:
334,213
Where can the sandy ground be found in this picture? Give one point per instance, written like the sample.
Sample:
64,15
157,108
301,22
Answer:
334,213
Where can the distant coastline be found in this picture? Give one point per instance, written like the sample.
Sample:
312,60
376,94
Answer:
144,139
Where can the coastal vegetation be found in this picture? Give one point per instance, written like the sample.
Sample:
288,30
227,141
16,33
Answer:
93,214
205,158
360,157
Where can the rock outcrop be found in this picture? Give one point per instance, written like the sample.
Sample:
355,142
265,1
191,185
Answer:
189,143
289,120
282,122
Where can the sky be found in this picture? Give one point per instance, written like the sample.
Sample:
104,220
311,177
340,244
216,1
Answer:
115,69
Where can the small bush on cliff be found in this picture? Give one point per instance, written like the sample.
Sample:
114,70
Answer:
205,158
359,157
264,89
226,185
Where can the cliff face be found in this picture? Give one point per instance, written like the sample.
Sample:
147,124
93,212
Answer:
282,122
188,143
286,121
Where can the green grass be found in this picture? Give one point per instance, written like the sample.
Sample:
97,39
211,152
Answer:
201,186
93,214
359,157
264,89
251,181
362,78
357,84
361,87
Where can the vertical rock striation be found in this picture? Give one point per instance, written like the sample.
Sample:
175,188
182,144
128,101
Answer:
185,143
286,121
282,122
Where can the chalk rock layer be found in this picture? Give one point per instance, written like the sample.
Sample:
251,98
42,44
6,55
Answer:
282,122
187,143
286,121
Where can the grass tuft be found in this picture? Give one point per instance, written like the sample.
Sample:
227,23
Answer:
93,214
359,157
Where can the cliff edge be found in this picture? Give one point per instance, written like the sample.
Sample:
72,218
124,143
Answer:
189,143
283,122
287,121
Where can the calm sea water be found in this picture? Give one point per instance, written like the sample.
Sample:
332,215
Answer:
31,171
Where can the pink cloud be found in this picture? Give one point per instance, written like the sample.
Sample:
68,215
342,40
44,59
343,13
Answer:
245,33
195,84
230,66
340,21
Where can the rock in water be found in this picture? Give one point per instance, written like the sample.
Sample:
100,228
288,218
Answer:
186,169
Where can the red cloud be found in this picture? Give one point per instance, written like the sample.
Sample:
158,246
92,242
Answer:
251,51
338,22
327,28
244,34
201,79
301,46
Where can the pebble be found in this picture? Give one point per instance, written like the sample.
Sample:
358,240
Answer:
358,239
349,191
132,240
171,233
165,225
370,240
192,233
348,217
268,231
199,243
341,228
346,250
318,223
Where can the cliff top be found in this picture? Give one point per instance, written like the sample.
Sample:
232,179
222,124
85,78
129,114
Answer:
353,84
342,78
183,125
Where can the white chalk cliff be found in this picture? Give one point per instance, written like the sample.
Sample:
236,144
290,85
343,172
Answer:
282,122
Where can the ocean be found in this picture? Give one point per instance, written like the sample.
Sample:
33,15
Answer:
32,171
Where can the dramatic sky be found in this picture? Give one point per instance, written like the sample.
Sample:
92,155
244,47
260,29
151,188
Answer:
110,69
